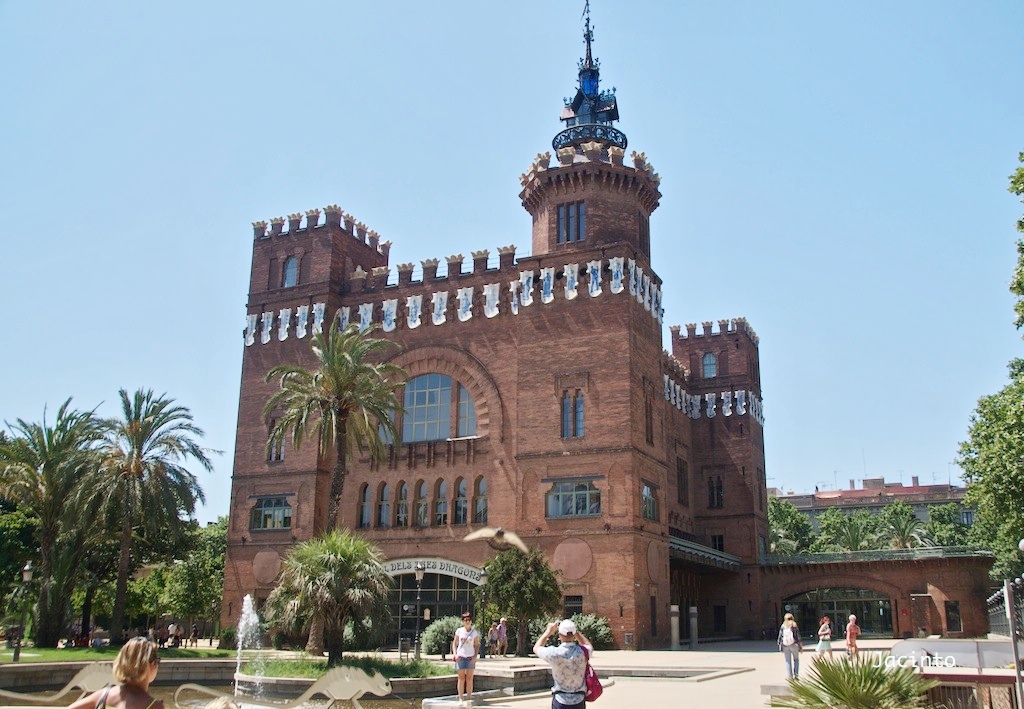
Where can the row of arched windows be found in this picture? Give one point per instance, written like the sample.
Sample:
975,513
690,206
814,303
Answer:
422,504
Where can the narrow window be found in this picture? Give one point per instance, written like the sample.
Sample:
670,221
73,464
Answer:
718,542
480,502
654,616
384,507
461,502
682,482
290,273
953,624
719,493
275,452
709,366
566,415
648,502
560,235
422,506
572,605
365,507
441,504
581,225
648,420
402,506
579,413
571,223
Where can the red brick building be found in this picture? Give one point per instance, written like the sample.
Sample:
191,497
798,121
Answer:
540,399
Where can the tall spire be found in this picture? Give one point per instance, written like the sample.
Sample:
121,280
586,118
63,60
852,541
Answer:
589,116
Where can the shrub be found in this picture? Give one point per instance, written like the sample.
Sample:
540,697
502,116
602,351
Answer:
597,630
229,638
437,638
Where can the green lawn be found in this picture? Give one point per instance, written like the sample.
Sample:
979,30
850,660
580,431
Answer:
314,668
105,654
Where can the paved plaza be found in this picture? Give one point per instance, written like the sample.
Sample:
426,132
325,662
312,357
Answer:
732,674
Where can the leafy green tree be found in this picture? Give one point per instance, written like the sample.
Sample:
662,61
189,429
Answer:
901,528
789,530
522,586
595,628
991,459
859,684
945,525
41,468
18,535
1017,283
142,479
194,583
335,578
343,402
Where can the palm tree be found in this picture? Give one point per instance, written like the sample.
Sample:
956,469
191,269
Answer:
780,543
906,533
863,683
346,402
142,478
856,532
334,578
41,467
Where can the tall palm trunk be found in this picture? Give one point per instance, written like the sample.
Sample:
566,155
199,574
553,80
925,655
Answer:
123,569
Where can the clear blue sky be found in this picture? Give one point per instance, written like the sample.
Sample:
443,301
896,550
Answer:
834,172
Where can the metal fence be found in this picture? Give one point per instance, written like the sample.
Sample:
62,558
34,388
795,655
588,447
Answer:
998,618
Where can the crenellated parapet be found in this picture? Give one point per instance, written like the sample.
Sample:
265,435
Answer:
733,402
334,216
725,327
593,163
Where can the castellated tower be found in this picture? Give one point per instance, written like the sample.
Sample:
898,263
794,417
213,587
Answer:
539,399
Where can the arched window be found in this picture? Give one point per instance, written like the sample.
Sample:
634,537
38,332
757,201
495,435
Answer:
365,506
573,499
709,366
429,399
461,502
422,505
648,502
384,507
271,513
480,502
290,272
441,504
402,506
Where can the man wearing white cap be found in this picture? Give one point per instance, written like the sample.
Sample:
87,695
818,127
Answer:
568,663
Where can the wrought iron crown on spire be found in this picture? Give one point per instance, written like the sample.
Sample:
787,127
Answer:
589,116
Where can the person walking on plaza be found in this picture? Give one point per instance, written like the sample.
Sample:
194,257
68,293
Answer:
825,636
502,637
789,644
465,648
568,662
852,631
135,669
492,639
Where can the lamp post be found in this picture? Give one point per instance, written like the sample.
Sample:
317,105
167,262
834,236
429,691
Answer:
483,607
26,578
420,570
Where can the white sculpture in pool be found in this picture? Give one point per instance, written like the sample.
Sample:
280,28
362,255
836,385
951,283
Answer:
339,684
91,678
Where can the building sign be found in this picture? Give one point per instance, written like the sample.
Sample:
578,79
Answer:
397,567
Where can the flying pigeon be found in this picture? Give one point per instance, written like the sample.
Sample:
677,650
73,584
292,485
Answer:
497,538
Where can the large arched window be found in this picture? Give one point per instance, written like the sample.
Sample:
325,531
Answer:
384,506
429,402
709,366
271,513
573,499
290,272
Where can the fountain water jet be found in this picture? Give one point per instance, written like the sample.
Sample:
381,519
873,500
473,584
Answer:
249,639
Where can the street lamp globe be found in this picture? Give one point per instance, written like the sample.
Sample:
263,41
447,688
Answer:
26,573
1020,545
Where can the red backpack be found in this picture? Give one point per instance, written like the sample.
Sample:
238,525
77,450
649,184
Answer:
594,688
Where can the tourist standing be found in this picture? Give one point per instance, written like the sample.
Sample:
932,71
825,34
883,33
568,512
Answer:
789,644
466,648
568,662
852,631
492,639
135,669
502,637
825,636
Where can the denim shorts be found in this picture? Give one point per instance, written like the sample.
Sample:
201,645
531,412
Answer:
465,663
